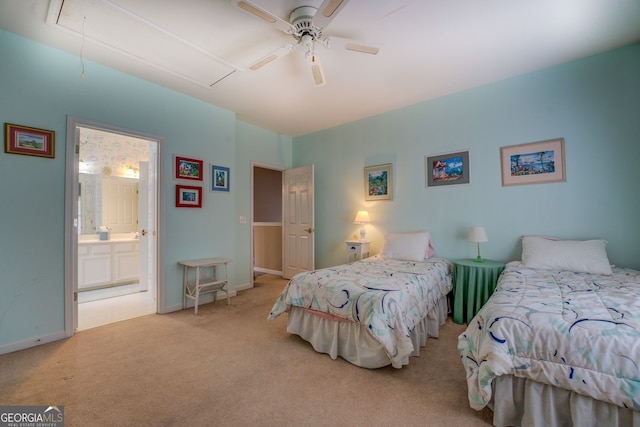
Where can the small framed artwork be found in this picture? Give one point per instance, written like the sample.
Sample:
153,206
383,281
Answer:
447,169
29,141
188,196
186,168
378,183
533,163
219,178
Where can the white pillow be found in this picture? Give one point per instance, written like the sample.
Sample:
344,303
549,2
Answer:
581,256
407,246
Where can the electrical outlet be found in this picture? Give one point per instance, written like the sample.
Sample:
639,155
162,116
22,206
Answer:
243,219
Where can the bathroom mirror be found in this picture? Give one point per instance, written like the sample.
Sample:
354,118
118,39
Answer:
109,169
111,201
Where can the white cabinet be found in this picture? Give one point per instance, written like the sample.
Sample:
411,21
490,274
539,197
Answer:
106,263
125,260
359,249
94,265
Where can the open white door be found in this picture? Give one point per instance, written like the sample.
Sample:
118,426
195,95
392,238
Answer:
298,240
147,223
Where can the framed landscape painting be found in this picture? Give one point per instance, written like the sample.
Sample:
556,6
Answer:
378,182
29,141
533,163
447,169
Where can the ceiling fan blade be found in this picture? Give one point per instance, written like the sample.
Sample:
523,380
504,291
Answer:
273,56
316,68
327,11
352,45
255,10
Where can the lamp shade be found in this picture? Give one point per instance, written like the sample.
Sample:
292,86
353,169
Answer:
478,234
362,217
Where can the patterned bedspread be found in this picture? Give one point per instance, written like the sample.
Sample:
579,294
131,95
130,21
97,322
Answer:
576,331
389,296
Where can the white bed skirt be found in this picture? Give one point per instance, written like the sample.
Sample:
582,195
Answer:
527,403
352,341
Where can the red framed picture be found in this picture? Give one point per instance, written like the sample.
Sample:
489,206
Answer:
186,168
188,196
29,141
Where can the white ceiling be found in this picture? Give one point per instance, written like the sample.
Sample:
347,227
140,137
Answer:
429,48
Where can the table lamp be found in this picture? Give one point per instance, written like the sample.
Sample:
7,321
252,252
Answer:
477,235
362,217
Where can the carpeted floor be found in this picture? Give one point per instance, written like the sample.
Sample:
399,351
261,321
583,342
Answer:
229,366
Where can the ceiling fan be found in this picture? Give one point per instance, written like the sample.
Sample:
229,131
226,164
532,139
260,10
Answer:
306,24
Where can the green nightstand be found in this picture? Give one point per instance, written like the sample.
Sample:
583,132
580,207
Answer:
473,284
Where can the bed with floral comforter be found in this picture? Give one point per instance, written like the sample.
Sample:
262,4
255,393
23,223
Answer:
388,297
574,331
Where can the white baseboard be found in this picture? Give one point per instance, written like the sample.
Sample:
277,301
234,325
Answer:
267,271
243,287
32,342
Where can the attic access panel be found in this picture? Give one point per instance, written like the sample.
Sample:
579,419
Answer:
146,32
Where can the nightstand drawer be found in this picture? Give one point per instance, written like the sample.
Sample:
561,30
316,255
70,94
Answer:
353,249
360,249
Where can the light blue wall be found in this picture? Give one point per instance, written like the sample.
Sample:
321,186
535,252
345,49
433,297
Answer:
593,103
40,87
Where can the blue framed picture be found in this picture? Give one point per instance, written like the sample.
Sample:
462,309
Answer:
219,178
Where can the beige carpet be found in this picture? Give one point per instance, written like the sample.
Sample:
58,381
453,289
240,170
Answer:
229,366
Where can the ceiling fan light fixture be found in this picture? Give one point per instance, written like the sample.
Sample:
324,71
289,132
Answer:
306,25
372,50
331,8
255,11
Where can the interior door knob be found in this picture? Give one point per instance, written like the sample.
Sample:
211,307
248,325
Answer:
309,230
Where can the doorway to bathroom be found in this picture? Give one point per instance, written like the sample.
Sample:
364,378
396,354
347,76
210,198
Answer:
115,221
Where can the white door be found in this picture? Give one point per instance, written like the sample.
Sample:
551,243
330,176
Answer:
119,203
147,224
298,242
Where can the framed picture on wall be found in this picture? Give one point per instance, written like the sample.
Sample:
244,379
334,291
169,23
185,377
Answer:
219,178
447,169
29,141
533,163
378,184
188,196
187,168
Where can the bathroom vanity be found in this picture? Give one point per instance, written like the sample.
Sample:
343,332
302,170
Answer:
103,263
